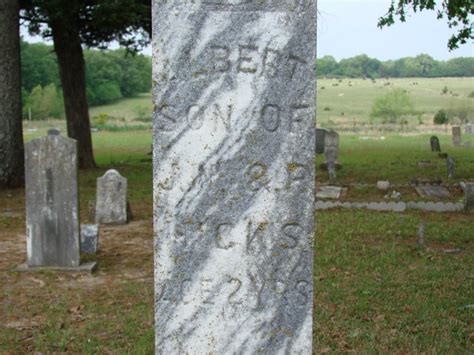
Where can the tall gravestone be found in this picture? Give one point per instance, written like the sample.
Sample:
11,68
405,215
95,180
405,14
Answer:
234,149
52,205
111,204
456,136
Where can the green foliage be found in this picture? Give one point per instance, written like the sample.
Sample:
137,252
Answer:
110,75
392,106
441,117
422,66
460,112
44,102
458,14
100,119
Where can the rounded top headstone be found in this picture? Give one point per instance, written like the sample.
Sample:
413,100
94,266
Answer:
54,132
111,172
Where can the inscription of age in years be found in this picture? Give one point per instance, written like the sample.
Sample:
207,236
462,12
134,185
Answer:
232,290
231,286
271,116
251,60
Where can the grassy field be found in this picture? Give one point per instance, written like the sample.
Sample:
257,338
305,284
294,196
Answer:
343,104
346,103
375,290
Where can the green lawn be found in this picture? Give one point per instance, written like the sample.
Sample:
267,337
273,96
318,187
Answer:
375,290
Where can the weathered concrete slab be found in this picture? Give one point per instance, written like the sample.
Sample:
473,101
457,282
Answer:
432,191
84,267
52,205
234,149
329,192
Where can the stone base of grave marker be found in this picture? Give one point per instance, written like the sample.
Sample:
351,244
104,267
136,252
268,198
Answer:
84,267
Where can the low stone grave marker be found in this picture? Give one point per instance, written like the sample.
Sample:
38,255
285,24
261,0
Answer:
330,192
111,205
52,206
451,167
435,146
456,136
383,185
436,191
89,238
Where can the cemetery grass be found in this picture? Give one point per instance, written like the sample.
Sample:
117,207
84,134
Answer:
374,290
377,292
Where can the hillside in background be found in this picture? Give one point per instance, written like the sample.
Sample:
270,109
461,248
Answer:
110,75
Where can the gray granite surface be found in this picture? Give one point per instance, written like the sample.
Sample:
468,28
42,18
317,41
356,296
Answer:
52,205
234,148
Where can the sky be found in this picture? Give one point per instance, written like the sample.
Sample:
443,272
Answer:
349,27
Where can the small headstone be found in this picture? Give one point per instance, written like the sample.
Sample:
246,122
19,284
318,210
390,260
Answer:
442,155
320,133
468,129
111,205
89,238
456,136
435,146
52,205
383,185
451,166
331,152
436,191
469,196
329,192
468,144
54,132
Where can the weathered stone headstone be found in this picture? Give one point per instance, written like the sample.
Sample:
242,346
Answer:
234,172
435,146
111,205
320,133
331,152
456,136
383,185
469,197
54,132
89,238
52,205
468,129
451,166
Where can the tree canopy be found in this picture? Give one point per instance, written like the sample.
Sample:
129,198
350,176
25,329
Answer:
458,14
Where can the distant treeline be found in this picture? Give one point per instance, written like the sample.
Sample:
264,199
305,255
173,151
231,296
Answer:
420,66
110,75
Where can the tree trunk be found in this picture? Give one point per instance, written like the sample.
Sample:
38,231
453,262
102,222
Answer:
67,45
12,170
